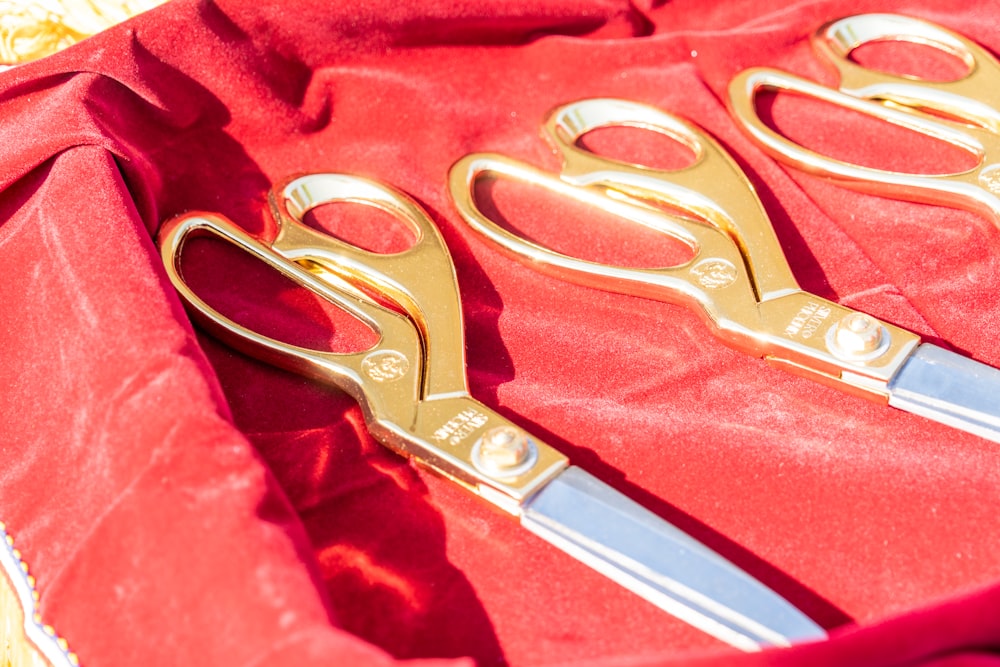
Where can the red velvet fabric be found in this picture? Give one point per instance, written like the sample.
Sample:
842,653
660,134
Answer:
180,504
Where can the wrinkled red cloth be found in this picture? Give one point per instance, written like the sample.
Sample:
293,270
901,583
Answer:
181,504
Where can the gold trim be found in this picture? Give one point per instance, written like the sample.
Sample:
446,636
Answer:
25,641
30,30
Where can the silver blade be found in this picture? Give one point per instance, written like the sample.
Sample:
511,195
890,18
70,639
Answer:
592,522
950,389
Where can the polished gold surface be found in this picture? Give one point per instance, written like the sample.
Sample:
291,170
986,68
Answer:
964,112
738,278
33,30
411,383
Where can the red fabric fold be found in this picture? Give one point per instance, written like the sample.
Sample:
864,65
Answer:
179,503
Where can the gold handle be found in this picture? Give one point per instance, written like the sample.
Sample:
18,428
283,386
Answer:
722,294
420,279
925,107
383,379
449,433
713,188
975,189
974,96
738,260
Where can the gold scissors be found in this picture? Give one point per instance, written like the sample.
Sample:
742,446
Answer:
964,112
738,278
411,385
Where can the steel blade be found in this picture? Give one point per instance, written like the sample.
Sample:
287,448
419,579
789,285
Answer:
950,389
614,535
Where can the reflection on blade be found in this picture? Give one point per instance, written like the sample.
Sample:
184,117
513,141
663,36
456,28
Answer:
950,389
602,528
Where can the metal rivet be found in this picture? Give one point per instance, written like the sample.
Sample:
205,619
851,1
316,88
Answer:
504,450
858,336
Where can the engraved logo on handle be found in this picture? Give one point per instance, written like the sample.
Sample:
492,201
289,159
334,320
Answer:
989,178
714,273
385,365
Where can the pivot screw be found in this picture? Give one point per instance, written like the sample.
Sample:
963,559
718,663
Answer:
504,450
859,336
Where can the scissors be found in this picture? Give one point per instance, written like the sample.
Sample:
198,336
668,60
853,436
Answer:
412,388
737,278
964,112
